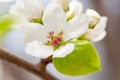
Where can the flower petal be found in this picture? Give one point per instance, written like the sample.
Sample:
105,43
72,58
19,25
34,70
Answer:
54,17
33,8
75,8
64,3
100,37
34,31
18,13
95,36
102,24
76,27
64,50
92,13
38,49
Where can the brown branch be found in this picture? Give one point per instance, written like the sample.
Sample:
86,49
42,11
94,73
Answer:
39,69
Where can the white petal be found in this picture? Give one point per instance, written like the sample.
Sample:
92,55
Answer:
34,31
18,13
64,3
76,27
54,17
95,36
64,50
75,8
100,37
33,8
38,49
92,13
102,24
91,34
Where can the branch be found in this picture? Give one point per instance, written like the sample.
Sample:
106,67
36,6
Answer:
39,69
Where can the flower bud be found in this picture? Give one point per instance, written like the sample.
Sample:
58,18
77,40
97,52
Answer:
32,8
64,3
75,8
94,17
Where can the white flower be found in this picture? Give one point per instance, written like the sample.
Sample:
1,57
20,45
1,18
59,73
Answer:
26,11
98,32
75,8
64,3
31,8
97,25
20,17
45,40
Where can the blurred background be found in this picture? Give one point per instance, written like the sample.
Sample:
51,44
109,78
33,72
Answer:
109,48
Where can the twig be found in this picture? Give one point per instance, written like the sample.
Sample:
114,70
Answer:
39,69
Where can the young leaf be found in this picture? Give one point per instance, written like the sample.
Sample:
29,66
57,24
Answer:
5,23
83,60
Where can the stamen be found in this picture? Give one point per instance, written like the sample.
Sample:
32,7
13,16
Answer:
48,36
51,33
61,33
54,40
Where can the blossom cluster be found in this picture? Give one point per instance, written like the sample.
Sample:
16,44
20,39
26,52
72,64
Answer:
49,31
58,16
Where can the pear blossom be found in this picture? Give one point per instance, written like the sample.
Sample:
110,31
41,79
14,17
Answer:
19,16
52,38
64,3
97,25
24,11
98,32
29,9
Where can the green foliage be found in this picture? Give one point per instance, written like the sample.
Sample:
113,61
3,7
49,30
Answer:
5,24
83,60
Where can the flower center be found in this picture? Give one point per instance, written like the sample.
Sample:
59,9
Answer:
55,40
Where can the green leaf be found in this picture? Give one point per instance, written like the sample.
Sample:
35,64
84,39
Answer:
5,23
83,60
